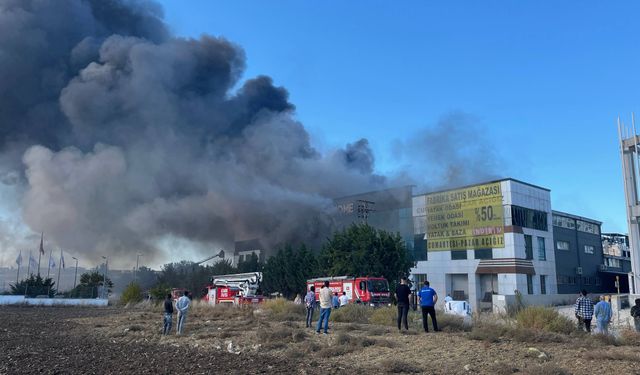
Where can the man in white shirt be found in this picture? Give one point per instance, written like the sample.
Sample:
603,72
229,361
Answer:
325,308
182,306
344,300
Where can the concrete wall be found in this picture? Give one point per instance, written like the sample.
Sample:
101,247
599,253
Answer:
501,302
20,300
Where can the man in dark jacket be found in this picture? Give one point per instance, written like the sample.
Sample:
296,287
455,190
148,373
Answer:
635,315
402,296
168,315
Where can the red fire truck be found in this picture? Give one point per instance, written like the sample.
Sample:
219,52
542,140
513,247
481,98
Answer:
236,289
372,291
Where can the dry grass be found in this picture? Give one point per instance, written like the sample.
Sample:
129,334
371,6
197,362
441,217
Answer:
282,310
544,318
397,366
384,316
353,313
611,356
546,369
630,337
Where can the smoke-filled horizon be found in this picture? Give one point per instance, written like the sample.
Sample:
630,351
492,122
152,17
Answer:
117,138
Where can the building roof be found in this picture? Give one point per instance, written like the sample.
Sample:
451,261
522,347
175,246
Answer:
487,182
560,213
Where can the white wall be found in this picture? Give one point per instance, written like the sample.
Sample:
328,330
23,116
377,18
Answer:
19,300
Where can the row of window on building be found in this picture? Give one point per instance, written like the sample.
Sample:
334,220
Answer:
564,245
574,280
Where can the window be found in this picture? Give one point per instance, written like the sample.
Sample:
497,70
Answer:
587,280
562,245
528,247
419,279
529,284
589,249
483,253
598,281
564,222
459,255
612,262
587,227
543,284
528,218
542,251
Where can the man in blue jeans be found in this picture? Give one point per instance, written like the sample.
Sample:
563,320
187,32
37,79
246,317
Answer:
428,299
325,308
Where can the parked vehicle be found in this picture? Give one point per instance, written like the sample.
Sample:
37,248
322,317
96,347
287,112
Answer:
236,289
372,291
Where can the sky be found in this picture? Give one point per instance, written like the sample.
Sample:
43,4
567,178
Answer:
545,81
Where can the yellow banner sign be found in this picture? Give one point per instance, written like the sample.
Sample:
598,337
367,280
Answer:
469,218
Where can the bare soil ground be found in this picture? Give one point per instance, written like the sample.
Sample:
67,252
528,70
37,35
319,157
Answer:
246,341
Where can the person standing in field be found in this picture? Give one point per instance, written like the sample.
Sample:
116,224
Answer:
584,311
335,301
402,296
602,312
310,304
325,308
635,314
168,315
183,305
344,300
428,299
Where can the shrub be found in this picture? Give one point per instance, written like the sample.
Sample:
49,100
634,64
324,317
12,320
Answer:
385,316
488,332
452,323
353,313
131,294
630,337
284,310
544,318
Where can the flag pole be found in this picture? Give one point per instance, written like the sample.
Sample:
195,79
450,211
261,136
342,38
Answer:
49,265
26,285
40,251
18,275
59,265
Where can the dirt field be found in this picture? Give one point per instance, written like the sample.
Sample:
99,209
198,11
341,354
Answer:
244,341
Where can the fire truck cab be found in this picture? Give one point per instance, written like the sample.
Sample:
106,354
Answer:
372,291
235,289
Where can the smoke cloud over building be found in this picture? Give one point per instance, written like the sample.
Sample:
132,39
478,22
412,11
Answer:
117,136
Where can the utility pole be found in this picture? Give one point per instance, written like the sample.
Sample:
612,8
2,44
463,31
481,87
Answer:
135,273
364,208
104,281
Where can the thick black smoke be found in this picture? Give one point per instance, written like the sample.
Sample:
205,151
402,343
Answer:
125,138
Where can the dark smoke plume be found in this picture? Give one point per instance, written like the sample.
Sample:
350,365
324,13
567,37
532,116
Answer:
117,137
125,138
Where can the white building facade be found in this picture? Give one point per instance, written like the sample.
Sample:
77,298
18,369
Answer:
524,262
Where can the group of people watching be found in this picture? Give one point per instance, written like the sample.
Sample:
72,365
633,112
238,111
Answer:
585,311
182,305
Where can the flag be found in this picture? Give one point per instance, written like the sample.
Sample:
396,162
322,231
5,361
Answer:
42,244
52,263
32,262
61,258
19,259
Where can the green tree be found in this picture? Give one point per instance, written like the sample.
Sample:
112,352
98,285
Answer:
362,250
191,276
89,287
159,291
34,286
288,271
132,293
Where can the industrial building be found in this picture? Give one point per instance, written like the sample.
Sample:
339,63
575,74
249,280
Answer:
506,252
